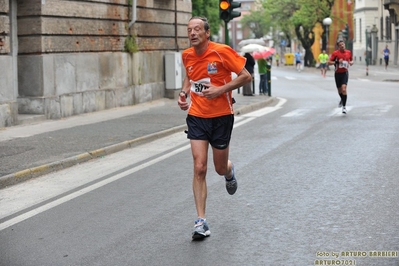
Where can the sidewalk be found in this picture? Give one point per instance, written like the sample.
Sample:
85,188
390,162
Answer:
31,150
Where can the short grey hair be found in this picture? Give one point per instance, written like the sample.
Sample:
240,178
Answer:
204,19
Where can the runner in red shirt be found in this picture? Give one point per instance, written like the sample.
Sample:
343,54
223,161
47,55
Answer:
210,116
342,59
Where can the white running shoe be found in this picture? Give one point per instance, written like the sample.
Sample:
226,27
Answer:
343,109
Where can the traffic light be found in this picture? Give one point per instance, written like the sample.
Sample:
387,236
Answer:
226,10
224,6
234,14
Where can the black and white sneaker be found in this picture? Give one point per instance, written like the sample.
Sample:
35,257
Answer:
340,104
201,229
343,109
231,184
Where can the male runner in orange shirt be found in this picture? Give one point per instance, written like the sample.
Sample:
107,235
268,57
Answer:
210,116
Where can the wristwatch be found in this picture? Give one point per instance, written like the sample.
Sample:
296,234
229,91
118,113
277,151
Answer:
185,94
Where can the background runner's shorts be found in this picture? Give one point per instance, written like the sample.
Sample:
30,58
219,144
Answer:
341,78
216,130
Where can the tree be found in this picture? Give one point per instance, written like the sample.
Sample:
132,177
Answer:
210,10
257,22
299,17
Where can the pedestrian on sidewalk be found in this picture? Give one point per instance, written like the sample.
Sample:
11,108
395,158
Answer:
386,54
249,65
210,116
263,77
341,59
323,58
298,62
277,60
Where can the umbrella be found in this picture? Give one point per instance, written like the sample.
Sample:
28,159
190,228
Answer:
249,48
251,41
263,54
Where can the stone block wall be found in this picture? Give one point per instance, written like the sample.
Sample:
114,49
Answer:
8,101
71,56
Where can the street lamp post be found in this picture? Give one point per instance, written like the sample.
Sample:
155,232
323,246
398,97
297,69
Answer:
282,44
327,22
367,51
374,44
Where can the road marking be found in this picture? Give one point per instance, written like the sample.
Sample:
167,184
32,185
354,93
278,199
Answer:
385,108
290,78
116,177
266,110
88,189
297,112
379,110
338,111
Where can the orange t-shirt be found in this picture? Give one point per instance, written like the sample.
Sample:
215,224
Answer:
213,66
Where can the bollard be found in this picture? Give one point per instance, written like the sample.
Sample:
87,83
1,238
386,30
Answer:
253,84
268,77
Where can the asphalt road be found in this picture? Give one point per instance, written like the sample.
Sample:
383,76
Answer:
314,185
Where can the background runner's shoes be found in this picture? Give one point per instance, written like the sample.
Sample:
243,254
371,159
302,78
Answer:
201,229
340,104
344,110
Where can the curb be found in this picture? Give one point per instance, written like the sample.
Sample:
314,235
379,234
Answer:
24,175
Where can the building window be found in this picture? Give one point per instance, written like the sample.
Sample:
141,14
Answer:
388,28
354,30
239,34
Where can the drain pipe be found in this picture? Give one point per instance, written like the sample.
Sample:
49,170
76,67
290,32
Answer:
134,13
176,34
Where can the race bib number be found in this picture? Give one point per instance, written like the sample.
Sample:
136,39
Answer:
344,64
198,86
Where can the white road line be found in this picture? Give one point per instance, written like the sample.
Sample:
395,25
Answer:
379,110
116,177
338,111
266,110
83,191
385,108
297,112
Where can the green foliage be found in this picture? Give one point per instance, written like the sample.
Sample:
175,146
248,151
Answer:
210,10
257,22
297,18
130,44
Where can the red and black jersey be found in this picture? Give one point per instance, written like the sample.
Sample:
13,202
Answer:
346,56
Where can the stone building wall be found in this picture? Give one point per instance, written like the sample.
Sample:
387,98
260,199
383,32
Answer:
8,97
71,54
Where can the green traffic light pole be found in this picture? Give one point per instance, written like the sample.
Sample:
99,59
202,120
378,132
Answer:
226,33
367,53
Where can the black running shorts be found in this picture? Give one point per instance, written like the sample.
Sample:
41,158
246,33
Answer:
341,78
216,130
